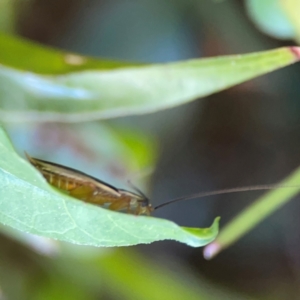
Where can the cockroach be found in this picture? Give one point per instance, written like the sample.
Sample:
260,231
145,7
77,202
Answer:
92,190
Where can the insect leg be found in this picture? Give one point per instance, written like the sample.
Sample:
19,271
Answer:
137,210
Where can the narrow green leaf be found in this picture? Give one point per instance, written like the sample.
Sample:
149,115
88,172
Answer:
29,204
254,214
95,92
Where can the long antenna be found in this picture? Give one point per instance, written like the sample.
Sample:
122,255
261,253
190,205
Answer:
228,191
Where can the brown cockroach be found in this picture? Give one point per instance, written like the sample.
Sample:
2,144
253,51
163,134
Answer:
92,190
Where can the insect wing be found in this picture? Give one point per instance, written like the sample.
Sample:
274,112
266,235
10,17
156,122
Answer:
89,189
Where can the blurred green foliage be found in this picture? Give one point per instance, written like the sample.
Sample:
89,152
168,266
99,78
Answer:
270,17
89,93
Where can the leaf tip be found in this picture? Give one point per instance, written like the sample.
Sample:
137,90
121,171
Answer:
211,250
295,51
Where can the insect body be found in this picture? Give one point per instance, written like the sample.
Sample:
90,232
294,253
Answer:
92,190
89,189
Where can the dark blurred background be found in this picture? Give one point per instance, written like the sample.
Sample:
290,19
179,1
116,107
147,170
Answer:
247,135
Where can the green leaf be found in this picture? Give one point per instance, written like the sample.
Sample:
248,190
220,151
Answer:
88,90
291,8
254,214
7,15
24,55
181,285
29,204
269,17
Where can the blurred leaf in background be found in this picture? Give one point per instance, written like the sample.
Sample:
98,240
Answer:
89,273
270,18
94,93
